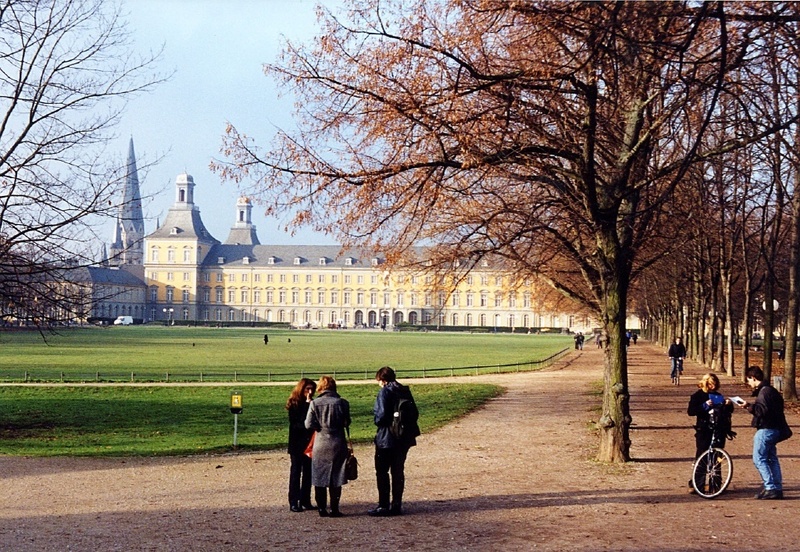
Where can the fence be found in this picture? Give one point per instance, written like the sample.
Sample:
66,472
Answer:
45,376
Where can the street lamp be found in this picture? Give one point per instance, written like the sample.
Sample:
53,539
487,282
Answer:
168,313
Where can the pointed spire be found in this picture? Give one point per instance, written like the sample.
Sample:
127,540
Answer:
129,229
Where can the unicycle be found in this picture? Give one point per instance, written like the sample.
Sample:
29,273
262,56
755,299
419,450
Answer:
713,471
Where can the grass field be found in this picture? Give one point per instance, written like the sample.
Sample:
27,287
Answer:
157,353
124,420
148,421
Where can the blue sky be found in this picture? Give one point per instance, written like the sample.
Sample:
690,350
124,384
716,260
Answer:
216,49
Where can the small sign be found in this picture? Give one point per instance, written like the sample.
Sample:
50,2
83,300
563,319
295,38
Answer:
236,402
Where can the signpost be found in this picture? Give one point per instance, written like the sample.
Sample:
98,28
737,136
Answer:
236,409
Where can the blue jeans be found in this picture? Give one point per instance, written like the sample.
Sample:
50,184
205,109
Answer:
677,366
765,458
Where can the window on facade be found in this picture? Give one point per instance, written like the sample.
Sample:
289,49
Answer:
270,297
498,300
169,276
346,297
321,279
455,299
187,255
244,295
269,278
440,299
244,277
484,300
321,297
308,298
218,315
257,297
413,299
282,278
468,319
360,298
218,295
170,255
170,294
153,295
512,300
206,295
154,255
373,299
295,297
231,315
428,299
282,297
207,277
309,278
231,296
220,277
373,280
295,278
334,297
334,278
400,298
185,276
256,277
470,299
185,295
347,279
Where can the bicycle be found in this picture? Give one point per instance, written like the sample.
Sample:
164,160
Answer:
713,470
677,370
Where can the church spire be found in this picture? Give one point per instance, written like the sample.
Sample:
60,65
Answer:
129,228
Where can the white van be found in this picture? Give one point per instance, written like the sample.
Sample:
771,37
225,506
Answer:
123,321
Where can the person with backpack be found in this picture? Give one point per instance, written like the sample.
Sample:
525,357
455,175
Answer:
396,416
704,403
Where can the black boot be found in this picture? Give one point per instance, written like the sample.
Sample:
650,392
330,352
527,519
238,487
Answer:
321,496
336,495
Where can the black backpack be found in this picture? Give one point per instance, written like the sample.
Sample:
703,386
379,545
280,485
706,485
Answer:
405,426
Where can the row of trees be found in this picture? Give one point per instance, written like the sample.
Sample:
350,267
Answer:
594,145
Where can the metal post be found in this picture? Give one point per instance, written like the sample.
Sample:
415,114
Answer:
235,430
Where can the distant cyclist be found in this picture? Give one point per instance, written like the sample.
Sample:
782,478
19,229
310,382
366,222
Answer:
676,353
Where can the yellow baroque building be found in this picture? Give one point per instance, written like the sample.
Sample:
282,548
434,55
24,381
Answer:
192,276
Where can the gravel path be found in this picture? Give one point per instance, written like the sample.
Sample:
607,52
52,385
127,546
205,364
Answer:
516,475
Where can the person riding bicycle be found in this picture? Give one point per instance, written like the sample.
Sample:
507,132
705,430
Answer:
676,353
707,403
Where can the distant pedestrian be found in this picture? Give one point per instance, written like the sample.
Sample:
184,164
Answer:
266,339
634,337
769,420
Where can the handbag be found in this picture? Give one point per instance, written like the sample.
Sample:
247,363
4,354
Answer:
785,433
351,464
351,467
310,445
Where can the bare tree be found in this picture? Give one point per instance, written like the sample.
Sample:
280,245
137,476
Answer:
548,133
66,71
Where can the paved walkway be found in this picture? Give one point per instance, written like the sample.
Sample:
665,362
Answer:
517,474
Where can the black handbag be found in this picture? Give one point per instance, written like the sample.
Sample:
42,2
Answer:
351,464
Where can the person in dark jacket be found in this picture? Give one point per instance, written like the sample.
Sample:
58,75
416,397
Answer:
390,452
329,416
769,420
299,437
676,353
702,403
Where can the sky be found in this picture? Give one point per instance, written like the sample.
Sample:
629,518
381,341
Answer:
216,49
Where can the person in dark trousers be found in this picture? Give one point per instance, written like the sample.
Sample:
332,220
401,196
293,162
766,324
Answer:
676,353
390,452
299,437
769,420
266,339
329,416
706,399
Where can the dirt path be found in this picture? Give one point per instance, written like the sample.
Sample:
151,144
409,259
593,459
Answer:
516,475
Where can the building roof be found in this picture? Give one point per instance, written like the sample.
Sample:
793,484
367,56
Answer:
105,276
289,256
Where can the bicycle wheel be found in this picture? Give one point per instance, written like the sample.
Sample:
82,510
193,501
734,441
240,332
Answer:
712,473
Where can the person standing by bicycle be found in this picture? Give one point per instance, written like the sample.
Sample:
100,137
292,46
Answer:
707,401
676,353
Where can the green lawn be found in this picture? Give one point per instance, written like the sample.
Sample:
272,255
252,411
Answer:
144,421
155,353
120,420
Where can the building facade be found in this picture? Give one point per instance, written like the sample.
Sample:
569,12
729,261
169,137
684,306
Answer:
192,276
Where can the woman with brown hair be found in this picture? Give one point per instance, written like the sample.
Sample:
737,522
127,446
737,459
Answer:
299,436
702,403
329,416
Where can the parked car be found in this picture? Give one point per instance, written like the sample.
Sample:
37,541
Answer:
123,321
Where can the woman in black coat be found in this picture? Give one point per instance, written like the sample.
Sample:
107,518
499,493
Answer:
299,436
701,403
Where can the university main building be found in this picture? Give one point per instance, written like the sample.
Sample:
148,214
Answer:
187,274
